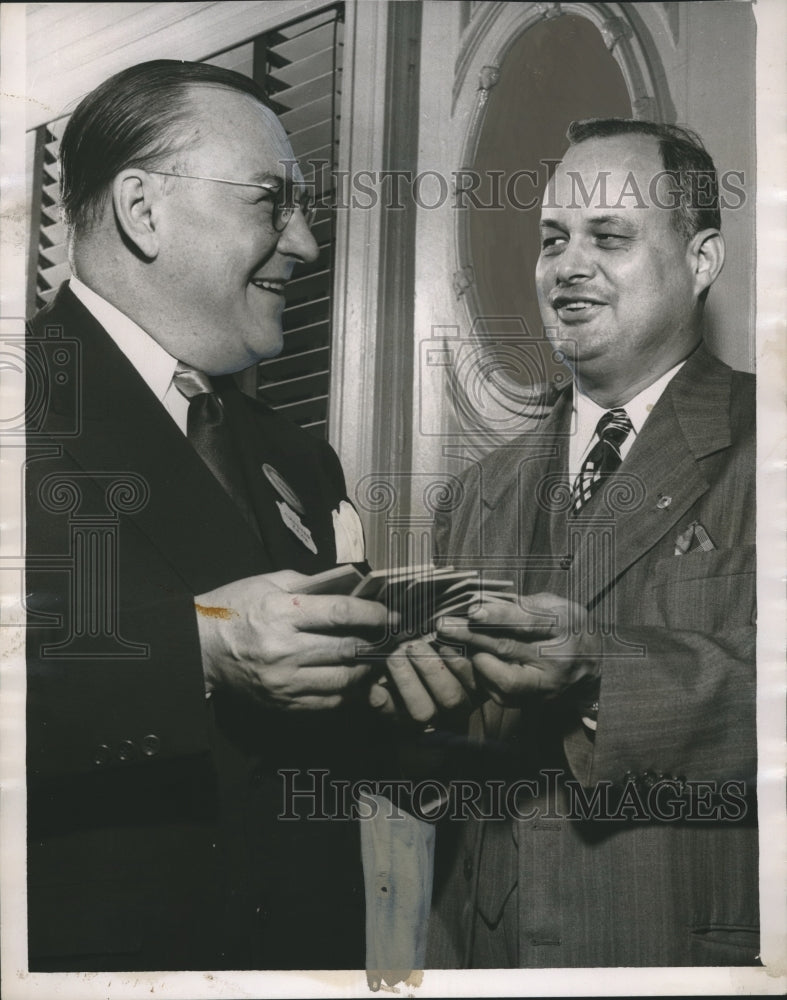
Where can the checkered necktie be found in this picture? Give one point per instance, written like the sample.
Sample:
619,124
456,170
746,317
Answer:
208,432
604,457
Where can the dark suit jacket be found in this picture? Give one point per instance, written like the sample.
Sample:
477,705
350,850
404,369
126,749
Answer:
153,834
677,695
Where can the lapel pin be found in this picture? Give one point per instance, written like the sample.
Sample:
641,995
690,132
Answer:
283,488
663,502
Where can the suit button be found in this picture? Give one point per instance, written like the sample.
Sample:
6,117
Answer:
467,868
150,745
566,560
126,751
102,754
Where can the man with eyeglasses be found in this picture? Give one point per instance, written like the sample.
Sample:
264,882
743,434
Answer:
174,667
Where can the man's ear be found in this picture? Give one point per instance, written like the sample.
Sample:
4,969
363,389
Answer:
135,197
706,255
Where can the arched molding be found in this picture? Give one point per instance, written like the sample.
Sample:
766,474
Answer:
484,46
497,26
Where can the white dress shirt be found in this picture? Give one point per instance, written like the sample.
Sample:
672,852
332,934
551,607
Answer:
155,365
587,415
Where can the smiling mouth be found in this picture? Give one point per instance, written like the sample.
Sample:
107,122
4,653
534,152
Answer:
269,285
568,301
574,307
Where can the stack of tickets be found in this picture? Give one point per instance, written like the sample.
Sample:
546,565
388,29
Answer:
420,594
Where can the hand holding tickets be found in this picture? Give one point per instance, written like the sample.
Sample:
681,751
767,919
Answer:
420,595
420,680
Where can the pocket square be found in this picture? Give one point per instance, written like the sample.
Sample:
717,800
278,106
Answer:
694,537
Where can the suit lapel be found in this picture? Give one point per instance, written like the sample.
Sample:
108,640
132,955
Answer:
663,473
125,429
522,522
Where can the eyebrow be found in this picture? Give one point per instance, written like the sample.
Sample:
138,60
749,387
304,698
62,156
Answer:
618,220
595,220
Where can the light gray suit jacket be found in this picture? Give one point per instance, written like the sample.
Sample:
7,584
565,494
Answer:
677,700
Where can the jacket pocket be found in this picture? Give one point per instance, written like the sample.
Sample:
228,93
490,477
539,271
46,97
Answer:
709,591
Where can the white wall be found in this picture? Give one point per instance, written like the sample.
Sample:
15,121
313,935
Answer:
710,71
72,47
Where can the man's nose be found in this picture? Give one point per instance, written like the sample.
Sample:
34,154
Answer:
297,240
575,263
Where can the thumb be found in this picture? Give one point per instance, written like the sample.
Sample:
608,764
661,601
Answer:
380,699
287,579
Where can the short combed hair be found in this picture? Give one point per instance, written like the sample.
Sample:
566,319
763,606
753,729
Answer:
134,119
683,157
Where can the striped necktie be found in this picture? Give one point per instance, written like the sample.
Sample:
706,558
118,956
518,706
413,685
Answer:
604,457
208,432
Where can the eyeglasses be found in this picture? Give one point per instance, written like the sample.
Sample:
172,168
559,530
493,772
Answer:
283,198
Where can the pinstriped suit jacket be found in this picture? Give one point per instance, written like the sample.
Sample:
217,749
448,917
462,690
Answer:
677,697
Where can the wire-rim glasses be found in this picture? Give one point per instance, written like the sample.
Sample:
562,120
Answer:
284,198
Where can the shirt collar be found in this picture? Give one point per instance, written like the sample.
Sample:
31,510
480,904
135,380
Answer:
155,365
638,409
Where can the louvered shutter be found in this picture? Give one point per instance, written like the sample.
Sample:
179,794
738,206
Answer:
300,67
303,66
48,264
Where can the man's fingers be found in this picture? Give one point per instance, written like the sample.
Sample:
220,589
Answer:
460,666
500,644
327,612
455,630
287,579
532,614
529,616
327,680
310,649
508,682
315,703
445,688
425,684
414,695
381,701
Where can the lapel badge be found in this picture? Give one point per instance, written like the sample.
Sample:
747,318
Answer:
296,526
663,502
283,488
